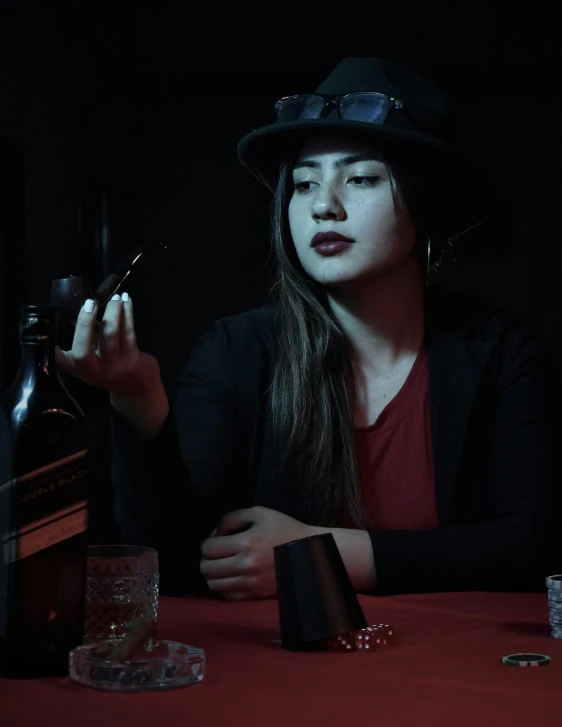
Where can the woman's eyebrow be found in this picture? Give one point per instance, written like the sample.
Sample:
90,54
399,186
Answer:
341,162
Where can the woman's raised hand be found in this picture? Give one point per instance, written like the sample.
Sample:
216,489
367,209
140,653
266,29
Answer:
116,364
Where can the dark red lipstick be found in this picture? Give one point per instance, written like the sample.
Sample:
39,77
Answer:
321,237
330,243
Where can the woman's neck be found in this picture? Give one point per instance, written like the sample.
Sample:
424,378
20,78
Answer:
383,318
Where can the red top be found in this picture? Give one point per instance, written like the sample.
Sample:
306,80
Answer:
395,459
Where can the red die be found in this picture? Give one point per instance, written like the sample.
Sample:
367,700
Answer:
371,638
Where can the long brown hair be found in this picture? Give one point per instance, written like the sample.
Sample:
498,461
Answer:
312,410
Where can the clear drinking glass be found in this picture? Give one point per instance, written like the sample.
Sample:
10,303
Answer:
121,586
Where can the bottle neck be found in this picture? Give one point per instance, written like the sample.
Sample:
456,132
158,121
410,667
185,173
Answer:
38,365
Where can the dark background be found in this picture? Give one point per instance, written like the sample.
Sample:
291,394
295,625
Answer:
139,106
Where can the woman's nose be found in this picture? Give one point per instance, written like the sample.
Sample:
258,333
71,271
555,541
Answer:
326,204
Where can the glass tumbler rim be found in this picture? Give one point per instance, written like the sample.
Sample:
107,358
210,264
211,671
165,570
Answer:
120,551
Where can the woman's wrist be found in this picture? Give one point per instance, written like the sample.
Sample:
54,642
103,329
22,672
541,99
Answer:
356,551
146,413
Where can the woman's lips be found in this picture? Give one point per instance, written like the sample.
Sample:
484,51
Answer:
332,248
328,236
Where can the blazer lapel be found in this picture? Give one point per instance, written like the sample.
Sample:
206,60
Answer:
456,365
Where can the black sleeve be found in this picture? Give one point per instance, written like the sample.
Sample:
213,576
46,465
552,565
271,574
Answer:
172,490
512,549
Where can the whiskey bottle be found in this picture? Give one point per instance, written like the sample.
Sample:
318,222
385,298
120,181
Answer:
45,476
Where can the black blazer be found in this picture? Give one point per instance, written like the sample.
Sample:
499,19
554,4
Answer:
493,404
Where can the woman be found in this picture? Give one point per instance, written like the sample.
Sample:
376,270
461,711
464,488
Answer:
411,423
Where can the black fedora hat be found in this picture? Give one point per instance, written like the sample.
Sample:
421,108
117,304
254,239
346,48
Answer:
416,132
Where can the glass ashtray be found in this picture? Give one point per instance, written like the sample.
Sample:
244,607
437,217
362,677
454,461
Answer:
167,665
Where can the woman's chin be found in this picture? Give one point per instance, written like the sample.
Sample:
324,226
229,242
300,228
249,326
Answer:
342,278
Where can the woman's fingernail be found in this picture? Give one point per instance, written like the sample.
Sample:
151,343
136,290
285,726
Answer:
116,297
124,297
89,305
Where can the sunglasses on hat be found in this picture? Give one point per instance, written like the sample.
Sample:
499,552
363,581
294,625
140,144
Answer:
368,107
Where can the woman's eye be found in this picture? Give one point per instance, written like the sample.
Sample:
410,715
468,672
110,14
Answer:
363,181
303,186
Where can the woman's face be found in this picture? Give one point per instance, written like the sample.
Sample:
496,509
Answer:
341,187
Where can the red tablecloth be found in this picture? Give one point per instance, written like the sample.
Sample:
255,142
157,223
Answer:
444,670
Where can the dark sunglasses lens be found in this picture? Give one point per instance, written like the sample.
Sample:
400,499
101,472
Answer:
368,107
299,107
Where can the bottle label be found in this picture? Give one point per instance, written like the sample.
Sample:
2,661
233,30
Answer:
50,510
